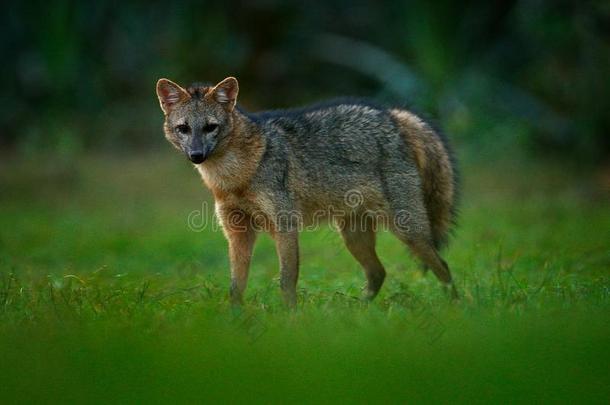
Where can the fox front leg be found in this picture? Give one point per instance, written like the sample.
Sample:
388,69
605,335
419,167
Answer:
241,237
287,246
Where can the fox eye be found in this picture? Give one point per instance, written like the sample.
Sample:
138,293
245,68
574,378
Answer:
183,129
210,127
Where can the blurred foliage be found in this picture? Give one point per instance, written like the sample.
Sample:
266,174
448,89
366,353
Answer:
500,77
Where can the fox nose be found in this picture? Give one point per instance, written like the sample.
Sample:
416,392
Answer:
196,156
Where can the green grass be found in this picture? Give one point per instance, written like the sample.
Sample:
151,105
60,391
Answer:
107,295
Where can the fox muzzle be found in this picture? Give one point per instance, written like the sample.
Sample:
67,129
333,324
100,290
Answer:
196,150
196,157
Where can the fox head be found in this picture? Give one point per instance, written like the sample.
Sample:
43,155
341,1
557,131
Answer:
198,120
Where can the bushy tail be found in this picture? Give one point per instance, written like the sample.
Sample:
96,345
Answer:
434,161
439,184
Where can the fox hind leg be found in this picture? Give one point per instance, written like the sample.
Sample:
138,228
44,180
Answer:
426,252
419,241
359,238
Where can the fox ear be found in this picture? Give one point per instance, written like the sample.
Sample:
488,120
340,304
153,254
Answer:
226,91
170,94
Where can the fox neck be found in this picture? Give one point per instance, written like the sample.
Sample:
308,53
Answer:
232,169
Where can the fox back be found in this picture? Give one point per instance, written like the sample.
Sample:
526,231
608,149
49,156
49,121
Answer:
387,159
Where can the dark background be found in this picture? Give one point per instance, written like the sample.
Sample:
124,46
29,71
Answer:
504,78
